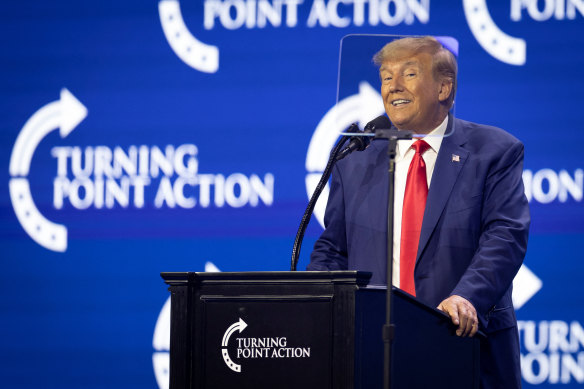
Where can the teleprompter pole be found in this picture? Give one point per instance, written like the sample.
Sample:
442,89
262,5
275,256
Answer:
388,329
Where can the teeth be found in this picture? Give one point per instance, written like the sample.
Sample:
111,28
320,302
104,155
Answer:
400,101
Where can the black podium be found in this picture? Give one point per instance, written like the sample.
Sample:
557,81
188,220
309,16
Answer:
307,330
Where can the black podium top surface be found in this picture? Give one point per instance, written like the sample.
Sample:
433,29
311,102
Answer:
359,278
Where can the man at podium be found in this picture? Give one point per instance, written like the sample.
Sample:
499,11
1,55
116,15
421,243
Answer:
461,216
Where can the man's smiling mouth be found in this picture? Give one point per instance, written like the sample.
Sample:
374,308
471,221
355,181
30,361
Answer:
398,102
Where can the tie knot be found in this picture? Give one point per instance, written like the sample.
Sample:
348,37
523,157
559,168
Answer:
420,146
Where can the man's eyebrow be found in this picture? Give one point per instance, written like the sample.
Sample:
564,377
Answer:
405,64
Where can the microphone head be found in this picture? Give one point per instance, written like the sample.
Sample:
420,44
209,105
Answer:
380,122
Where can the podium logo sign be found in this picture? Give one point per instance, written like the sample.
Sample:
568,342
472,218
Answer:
258,348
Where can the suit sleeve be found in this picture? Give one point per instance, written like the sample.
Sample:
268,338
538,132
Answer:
503,239
330,250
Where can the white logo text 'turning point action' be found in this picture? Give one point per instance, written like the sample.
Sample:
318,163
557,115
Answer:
251,14
103,177
235,14
269,348
257,348
552,351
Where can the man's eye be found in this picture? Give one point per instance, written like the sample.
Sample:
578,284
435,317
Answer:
410,74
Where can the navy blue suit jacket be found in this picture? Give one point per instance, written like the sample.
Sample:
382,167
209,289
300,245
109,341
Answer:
473,238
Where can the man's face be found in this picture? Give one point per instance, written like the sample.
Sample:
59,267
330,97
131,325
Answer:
411,96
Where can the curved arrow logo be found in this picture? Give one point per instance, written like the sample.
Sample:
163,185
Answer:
361,107
189,49
503,47
65,115
237,326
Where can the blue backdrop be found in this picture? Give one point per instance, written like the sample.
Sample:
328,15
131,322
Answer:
146,136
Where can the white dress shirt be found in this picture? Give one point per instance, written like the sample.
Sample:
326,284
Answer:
403,158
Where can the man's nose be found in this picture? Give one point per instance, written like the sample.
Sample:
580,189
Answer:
395,85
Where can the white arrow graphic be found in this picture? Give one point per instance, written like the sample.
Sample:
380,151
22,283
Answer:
237,326
362,108
65,115
191,51
504,47
525,286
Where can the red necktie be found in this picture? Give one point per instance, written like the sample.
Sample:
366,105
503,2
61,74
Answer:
412,216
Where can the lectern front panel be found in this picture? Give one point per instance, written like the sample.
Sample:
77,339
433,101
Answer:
267,341
306,330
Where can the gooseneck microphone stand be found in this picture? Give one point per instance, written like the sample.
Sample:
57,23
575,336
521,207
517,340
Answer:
319,188
359,140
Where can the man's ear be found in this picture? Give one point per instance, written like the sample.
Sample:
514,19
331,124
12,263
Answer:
445,90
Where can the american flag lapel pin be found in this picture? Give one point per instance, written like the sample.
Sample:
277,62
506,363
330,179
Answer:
455,158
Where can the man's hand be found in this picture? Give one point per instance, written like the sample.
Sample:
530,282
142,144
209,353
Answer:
462,313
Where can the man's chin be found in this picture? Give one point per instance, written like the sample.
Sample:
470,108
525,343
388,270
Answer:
398,119
399,124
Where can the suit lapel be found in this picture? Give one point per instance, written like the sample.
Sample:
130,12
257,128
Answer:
449,162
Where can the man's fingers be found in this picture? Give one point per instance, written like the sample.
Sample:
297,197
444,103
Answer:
451,310
454,316
466,324
474,324
462,313
475,328
471,328
462,327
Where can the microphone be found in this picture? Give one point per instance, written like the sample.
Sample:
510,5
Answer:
380,122
360,142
